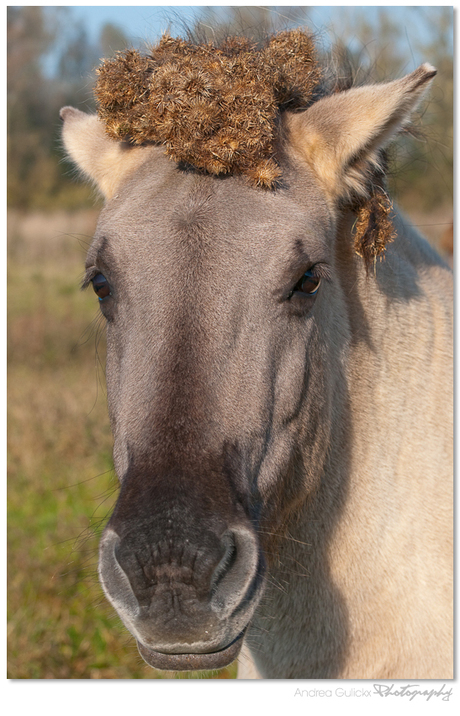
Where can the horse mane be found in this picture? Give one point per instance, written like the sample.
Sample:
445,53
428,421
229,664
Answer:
216,106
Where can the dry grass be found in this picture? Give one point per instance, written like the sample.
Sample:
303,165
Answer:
215,108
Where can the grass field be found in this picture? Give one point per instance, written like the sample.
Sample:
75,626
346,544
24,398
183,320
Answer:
61,485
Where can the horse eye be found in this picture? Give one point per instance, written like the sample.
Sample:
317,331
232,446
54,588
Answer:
309,283
101,286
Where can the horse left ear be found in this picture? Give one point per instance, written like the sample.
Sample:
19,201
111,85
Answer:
104,161
341,134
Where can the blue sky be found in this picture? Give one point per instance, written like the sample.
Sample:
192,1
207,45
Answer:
143,23
139,22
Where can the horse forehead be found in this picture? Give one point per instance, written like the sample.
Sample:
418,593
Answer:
185,215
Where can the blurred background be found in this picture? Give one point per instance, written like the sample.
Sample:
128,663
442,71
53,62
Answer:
61,482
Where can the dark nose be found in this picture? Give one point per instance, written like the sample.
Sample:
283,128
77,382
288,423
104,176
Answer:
175,591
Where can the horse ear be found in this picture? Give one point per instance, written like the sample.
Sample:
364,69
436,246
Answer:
341,135
102,160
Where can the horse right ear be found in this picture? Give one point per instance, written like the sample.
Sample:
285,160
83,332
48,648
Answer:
104,161
341,135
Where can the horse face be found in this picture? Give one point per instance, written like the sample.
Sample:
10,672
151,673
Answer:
227,336
214,295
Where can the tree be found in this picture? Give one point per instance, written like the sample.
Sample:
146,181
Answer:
29,37
112,39
51,63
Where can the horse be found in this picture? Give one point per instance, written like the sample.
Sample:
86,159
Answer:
280,394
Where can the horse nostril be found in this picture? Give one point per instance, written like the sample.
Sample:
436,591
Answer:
226,563
113,577
235,572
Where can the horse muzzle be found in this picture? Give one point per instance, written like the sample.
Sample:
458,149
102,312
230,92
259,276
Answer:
186,600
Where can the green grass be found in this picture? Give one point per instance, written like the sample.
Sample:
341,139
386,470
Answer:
61,485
